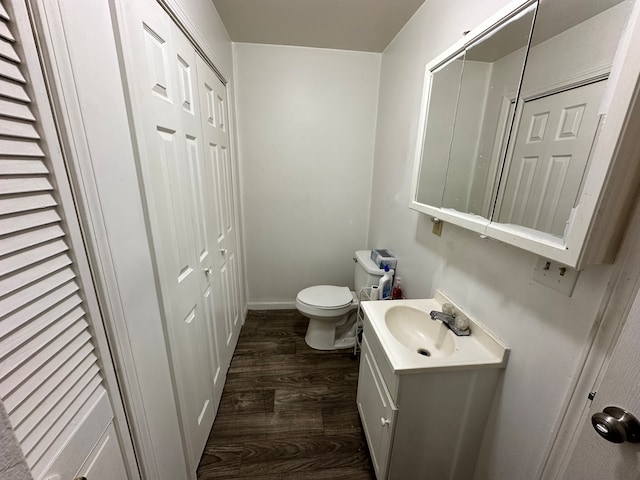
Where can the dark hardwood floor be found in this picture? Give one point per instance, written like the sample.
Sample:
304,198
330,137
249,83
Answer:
287,411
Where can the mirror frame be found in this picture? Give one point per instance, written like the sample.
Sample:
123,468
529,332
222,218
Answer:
607,195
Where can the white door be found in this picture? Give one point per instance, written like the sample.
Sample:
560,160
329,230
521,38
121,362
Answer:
593,457
57,382
218,182
100,464
164,88
551,149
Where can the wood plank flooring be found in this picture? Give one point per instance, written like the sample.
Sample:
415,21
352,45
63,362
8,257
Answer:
287,411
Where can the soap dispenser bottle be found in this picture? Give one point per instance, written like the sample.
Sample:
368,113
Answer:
396,291
385,284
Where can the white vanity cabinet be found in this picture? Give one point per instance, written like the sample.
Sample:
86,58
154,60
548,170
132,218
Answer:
425,424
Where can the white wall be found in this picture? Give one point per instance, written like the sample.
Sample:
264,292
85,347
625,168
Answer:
546,330
306,126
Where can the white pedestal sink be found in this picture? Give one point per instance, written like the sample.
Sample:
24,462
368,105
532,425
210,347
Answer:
424,414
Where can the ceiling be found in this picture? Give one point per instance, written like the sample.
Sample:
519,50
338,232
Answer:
362,25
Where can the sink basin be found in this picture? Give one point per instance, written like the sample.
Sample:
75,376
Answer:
413,343
415,330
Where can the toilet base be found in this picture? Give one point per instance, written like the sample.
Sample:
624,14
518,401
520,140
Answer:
323,335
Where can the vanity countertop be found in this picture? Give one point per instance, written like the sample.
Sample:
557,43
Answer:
481,349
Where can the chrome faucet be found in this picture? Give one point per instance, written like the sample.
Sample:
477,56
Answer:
458,325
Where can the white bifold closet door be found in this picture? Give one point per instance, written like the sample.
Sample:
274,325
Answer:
181,123
217,180
51,379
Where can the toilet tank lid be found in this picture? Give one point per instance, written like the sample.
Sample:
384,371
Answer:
364,259
326,296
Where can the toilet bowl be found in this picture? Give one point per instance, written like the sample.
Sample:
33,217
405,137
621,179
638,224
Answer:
331,310
331,313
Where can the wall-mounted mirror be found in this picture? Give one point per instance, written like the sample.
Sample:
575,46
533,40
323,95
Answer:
511,115
491,74
470,107
570,58
445,81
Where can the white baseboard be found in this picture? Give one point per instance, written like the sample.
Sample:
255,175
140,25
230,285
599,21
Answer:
271,305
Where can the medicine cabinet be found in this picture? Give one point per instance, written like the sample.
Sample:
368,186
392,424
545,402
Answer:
522,129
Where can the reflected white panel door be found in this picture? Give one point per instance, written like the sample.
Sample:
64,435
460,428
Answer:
550,154
219,184
594,457
162,77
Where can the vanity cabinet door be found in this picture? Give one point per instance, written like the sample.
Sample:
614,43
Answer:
377,411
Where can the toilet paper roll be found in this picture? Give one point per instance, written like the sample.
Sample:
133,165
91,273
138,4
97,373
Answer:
375,292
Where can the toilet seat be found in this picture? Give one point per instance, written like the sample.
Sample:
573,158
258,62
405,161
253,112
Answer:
326,297
331,314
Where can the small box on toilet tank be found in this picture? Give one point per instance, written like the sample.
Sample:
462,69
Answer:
383,257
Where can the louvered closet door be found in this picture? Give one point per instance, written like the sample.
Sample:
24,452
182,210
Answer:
50,378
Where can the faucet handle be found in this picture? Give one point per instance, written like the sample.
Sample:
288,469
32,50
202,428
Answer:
448,309
462,322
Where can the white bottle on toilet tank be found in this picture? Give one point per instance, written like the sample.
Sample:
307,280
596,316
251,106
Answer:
384,286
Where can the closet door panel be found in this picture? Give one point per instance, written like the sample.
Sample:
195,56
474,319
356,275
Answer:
180,116
167,123
222,217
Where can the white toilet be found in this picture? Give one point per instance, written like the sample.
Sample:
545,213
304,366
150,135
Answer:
332,310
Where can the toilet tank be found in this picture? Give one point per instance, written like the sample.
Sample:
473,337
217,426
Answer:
366,272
